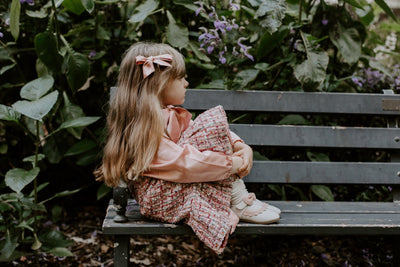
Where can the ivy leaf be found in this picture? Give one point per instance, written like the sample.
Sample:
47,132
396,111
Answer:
6,68
18,178
11,243
78,70
75,6
293,119
53,239
144,10
348,42
69,112
61,252
8,114
37,88
311,73
275,11
244,77
88,5
177,33
78,122
46,50
37,109
317,156
15,13
80,147
323,192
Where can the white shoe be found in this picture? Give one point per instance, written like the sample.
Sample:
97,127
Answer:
255,211
250,209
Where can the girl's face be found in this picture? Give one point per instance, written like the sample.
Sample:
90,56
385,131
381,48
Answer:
174,92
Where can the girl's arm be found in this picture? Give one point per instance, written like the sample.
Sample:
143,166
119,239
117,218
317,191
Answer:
188,165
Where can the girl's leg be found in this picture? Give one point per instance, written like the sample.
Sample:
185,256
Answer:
248,208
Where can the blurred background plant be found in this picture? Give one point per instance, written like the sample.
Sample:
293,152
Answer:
60,58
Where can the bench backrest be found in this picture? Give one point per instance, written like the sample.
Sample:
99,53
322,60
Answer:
373,106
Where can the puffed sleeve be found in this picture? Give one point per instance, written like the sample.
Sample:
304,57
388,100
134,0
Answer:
186,164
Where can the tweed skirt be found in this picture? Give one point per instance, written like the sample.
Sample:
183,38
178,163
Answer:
205,207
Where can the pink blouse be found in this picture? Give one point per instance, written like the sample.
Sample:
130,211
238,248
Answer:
187,164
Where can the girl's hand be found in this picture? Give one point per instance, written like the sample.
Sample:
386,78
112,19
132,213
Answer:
237,163
246,153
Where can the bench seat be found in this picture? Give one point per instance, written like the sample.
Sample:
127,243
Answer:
298,218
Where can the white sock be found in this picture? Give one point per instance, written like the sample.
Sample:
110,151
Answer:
238,191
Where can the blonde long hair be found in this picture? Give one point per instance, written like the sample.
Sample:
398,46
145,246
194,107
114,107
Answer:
135,122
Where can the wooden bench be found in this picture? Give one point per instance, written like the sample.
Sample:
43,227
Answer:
298,217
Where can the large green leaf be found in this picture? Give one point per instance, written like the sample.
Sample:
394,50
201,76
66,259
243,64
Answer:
54,239
61,252
269,41
69,112
89,5
37,109
6,68
18,178
54,149
80,147
37,88
75,6
274,11
47,51
144,10
15,12
348,42
323,192
78,122
177,33
311,73
244,77
9,245
78,70
8,114
386,8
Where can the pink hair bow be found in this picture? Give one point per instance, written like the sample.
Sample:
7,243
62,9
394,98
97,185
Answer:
148,63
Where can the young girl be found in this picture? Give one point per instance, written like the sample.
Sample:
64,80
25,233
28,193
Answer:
176,168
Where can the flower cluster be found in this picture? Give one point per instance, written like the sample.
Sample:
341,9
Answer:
390,46
214,39
375,80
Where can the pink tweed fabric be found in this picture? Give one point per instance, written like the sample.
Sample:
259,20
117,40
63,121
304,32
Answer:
202,206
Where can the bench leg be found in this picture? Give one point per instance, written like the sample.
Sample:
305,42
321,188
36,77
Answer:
121,251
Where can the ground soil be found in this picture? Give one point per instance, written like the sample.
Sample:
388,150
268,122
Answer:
92,248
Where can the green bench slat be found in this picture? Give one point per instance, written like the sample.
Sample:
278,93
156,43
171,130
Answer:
324,172
368,218
318,136
271,101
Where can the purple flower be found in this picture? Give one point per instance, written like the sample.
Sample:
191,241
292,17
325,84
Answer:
245,48
1,35
210,49
324,22
30,2
222,59
92,54
200,9
7,22
357,81
233,6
